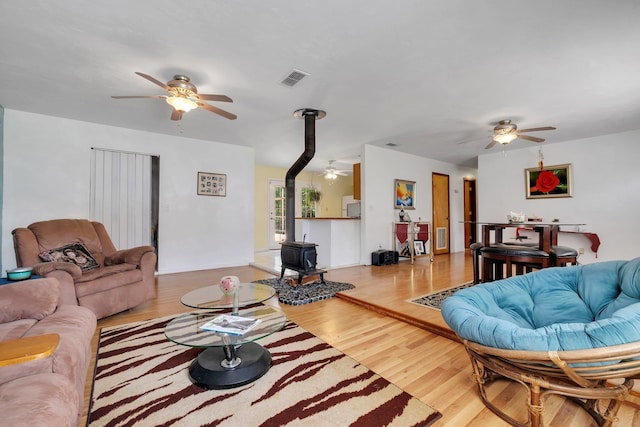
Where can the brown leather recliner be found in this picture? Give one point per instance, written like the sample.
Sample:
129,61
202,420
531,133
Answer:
120,279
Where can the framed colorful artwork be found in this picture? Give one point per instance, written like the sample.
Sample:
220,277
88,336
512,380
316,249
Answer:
548,182
212,184
405,194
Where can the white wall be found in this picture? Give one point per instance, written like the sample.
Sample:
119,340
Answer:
46,176
380,168
606,191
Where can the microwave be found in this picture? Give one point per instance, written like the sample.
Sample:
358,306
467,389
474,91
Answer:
353,210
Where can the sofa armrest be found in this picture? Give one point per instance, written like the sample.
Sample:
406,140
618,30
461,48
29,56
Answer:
130,256
29,299
27,349
44,268
26,247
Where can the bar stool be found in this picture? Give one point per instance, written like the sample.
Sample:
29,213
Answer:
563,255
475,253
499,260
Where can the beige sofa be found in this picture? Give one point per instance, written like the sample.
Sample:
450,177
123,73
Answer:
113,280
38,388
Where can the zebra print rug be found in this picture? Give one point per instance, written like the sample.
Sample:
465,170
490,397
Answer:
141,379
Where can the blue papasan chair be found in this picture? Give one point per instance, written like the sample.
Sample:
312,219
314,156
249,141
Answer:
570,331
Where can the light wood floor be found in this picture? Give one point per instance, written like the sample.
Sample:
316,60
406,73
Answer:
363,323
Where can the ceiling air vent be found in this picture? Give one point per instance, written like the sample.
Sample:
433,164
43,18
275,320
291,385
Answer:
294,77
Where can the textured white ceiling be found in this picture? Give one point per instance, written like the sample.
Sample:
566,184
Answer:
432,77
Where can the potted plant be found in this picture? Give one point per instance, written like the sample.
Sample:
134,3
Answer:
314,195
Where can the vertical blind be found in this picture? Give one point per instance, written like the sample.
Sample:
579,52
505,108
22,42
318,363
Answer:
121,196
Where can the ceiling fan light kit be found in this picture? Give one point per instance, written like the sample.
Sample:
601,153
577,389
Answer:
181,103
505,137
184,94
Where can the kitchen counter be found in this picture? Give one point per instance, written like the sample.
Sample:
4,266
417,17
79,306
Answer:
338,240
331,218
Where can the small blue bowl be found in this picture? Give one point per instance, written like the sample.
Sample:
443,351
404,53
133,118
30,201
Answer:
22,273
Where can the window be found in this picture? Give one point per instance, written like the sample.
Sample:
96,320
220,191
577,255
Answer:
310,198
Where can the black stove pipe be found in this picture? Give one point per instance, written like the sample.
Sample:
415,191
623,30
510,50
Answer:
310,116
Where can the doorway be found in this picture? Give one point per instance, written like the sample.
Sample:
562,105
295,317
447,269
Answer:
440,203
276,228
124,196
306,206
470,212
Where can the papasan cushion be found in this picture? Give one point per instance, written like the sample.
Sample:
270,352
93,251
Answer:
558,308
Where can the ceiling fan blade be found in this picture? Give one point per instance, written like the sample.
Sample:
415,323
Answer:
217,110
491,144
531,138
153,80
537,129
128,97
221,98
176,114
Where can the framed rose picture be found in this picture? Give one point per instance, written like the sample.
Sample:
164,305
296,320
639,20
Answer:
548,182
405,194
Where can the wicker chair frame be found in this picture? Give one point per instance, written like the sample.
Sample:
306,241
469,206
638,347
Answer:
579,375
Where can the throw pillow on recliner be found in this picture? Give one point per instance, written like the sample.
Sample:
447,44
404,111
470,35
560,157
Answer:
74,253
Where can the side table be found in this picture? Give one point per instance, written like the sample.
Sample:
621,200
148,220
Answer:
5,281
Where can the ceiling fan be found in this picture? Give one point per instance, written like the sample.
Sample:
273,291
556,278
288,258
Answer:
183,97
505,132
330,172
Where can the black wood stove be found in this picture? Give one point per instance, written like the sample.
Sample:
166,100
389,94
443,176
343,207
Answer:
300,256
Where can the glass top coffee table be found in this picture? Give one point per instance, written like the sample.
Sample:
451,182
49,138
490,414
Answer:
227,360
212,297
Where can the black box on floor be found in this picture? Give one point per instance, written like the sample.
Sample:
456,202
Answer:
384,257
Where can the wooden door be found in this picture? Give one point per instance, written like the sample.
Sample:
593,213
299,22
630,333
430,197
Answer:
470,230
440,203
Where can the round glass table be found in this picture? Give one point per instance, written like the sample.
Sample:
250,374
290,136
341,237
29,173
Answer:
211,297
227,360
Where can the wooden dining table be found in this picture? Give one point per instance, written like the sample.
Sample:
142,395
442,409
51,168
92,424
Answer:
547,232
547,239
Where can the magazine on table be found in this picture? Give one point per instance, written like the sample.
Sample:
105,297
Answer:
229,324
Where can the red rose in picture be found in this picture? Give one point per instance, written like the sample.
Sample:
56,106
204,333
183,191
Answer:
546,181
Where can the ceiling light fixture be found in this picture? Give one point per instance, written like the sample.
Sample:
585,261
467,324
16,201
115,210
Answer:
330,175
182,103
504,137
